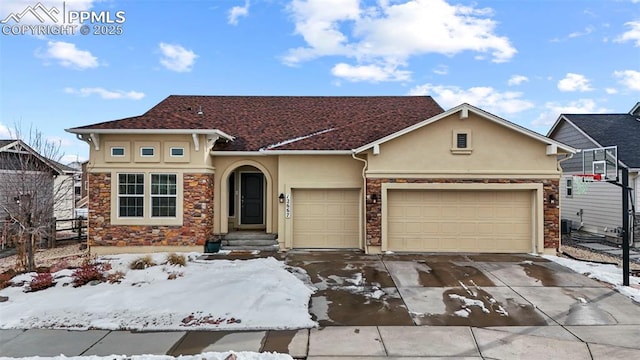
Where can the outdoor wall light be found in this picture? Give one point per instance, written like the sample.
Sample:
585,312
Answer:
552,198
281,198
372,198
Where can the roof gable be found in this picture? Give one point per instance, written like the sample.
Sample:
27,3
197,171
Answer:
17,148
268,123
621,130
464,110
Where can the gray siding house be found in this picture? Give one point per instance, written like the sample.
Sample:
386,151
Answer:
599,210
25,174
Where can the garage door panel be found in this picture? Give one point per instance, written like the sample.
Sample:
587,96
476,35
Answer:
325,218
463,220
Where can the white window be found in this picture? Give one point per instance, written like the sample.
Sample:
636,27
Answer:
130,195
117,151
177,151
147,151
163,195
569,187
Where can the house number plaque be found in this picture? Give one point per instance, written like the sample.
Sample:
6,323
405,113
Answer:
287,207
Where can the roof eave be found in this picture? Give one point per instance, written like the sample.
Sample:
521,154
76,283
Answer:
151,131
279,152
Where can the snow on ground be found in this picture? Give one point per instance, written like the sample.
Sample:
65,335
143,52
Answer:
603,272
219,294
204,356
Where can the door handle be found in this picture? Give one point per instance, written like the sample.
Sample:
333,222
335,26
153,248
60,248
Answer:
242,201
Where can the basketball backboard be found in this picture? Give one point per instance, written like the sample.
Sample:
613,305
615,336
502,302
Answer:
603,161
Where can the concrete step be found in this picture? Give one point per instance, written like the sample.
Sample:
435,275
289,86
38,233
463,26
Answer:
249,242
250,248
249,235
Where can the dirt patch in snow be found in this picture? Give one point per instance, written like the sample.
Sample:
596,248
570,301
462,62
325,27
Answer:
589,255
63,257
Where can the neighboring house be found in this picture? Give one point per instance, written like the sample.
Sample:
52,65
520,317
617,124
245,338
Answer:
81,187
370,173
65,189
25,173
599,210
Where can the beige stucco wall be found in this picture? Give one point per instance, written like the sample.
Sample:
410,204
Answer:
317,172
198,161
496,152
224,165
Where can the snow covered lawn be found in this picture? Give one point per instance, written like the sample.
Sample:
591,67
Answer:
252,294
603,272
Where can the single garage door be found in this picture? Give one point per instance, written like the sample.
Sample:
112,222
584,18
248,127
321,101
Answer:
325,218
459,221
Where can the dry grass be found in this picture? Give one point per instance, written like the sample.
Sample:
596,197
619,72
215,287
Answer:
60,257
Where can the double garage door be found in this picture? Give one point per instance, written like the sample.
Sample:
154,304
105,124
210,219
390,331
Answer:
459,221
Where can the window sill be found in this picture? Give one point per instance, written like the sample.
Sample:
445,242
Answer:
461,151
173,221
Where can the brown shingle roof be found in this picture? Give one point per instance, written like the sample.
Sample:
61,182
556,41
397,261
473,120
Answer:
285,122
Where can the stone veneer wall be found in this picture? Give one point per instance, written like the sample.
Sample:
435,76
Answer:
551,211
197,224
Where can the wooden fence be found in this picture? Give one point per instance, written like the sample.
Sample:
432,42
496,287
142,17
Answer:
72,230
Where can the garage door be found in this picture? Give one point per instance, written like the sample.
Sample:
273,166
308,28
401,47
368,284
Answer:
325,218
459,221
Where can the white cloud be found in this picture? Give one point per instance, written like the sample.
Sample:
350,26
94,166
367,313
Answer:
68,159
177,58
631,35
68,55
318,22
554,109
629,78
105,94
238,11
611,91
373,73
574,82
588,30
441,70
5,132
391,32
517,80
487,98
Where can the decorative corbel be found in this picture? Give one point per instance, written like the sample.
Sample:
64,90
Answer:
211,141
464,112
196,142
95,139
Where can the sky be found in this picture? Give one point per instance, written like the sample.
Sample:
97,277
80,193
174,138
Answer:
527,61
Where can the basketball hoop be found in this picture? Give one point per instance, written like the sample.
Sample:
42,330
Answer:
581,182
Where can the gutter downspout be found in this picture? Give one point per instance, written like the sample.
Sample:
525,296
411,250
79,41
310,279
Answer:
364,201
559,202
564,159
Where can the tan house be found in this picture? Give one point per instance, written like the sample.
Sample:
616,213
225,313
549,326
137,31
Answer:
370,173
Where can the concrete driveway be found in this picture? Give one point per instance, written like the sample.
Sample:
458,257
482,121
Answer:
478,290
